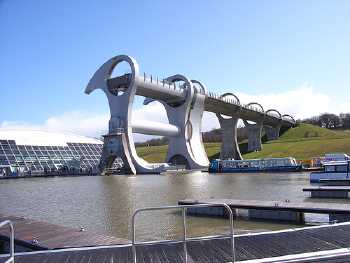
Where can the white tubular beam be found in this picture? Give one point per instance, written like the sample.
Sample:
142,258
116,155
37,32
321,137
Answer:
155,128
158,89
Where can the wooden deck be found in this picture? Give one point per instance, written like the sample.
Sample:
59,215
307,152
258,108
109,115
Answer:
50,236
247,247
306,207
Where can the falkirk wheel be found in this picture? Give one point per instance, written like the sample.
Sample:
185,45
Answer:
184,100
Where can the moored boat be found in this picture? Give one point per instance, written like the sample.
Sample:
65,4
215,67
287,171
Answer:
332,170
287,164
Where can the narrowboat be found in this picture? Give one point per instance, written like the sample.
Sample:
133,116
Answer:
287,164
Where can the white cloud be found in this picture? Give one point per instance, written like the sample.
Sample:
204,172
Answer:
300,102
92,125
152,112
343,107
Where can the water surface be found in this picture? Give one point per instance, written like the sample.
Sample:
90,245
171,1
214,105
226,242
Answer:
106,204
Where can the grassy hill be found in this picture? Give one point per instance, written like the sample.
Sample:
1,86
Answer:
302,142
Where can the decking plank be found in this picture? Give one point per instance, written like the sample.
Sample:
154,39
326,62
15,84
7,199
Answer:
50,236
254,246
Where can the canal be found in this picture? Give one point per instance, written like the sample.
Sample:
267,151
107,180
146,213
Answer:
105,204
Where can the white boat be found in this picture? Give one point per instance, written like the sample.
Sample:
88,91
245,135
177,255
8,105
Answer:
332,170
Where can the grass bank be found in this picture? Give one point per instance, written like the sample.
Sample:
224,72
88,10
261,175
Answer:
302,142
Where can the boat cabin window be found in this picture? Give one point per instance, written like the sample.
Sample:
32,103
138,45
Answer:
343,168
287,162
254,164
329,168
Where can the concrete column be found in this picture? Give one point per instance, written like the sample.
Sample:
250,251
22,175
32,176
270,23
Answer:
115,145
229,144
187,148
272,133
254,135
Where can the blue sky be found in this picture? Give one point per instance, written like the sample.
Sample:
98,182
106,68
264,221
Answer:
263,50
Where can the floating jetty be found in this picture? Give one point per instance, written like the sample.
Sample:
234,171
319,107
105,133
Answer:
335,182
272,210
328,191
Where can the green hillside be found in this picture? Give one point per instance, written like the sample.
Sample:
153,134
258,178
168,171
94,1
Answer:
153,154
302,142
308,131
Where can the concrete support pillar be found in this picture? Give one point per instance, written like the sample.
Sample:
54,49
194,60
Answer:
115,145
187,148
229,144
254,135
272,133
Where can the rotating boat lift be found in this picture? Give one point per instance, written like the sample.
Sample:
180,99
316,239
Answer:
185,101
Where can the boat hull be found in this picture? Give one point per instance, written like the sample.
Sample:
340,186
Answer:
315,177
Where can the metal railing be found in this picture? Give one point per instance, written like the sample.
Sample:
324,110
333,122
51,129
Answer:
180,88
11,259
185,239
162,82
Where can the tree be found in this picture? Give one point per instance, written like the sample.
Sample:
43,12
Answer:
329,121
313,120
345,120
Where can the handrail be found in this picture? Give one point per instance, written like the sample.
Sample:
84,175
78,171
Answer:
12,240
184,223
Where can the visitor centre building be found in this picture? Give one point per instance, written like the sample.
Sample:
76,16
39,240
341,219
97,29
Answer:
30,151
